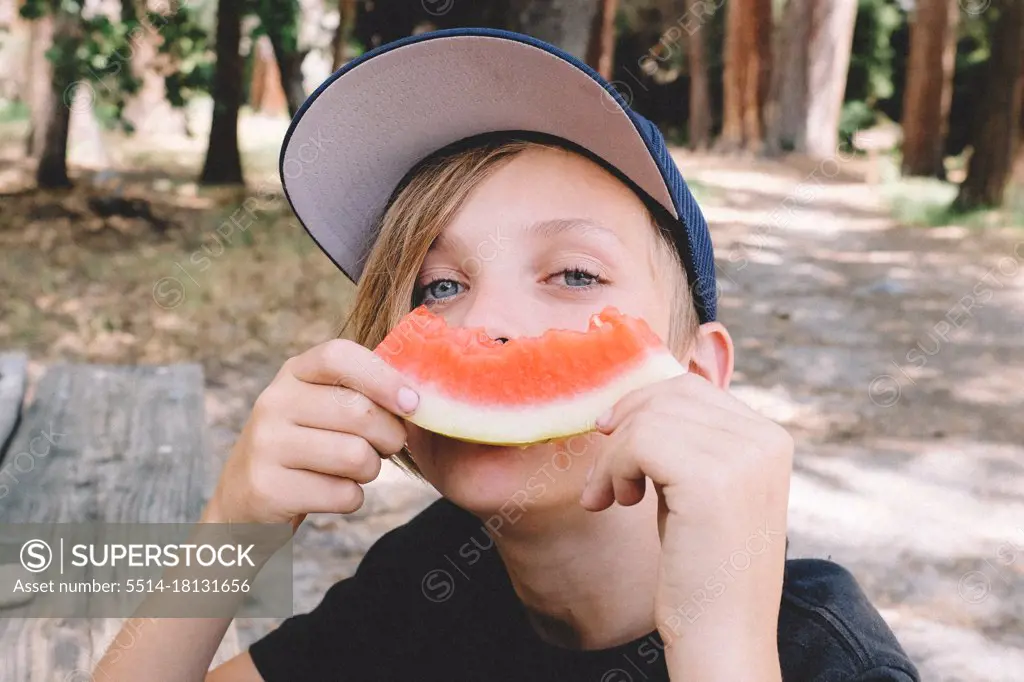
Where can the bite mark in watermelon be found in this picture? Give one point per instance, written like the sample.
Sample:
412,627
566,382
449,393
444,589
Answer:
528,389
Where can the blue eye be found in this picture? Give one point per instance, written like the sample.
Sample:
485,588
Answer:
440,289
578,277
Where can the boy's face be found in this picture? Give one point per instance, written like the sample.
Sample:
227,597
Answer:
546,241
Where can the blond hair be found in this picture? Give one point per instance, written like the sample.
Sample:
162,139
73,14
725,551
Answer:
419,210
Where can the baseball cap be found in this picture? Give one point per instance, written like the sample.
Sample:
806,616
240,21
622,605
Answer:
358,135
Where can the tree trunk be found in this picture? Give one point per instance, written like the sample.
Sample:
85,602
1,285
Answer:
52,171
16,42
346,23
994,131
129,12
812,57
565,23
283,37
55,114
601,48
829,62
266,95
39,83
700,99
223,164
747,71
929,88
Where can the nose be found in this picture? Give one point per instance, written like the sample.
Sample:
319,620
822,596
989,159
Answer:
496,326
500,318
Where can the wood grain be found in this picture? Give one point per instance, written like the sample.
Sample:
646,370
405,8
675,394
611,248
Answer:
13,367
123,444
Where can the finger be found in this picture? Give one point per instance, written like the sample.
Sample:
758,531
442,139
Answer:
629,491
692,397
626,405
307,492
706,393
627,478
329,452
606,487
615,472
598,493
345,363
630,403
344,410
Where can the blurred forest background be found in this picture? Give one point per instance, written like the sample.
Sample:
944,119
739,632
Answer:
858,161
760,76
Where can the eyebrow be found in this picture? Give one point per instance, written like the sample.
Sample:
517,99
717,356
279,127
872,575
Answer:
547,229
557,226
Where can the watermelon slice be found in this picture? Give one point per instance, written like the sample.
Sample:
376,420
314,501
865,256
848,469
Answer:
528,389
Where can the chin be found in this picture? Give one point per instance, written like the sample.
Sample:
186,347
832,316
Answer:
508,480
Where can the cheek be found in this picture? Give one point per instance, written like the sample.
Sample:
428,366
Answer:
658,309
660,321
420,443
653,305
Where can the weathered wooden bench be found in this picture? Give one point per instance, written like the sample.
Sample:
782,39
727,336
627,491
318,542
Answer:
95,443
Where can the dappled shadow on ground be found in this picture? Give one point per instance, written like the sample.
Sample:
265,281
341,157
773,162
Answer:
895,355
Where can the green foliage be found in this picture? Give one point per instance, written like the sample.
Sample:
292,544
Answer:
921,202
89,52
870,78
35,9
855,115
873,81
104,57
973,45
14,112
877,76
929,202
95,53
279,19
189,54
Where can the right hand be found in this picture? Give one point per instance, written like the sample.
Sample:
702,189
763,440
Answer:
315,435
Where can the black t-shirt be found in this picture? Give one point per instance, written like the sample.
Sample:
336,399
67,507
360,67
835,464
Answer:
431,600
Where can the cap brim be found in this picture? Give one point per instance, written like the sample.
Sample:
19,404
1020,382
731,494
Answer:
356,137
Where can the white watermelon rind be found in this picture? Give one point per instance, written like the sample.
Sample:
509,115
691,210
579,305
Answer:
536,424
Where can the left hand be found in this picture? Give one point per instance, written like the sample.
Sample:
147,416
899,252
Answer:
721,473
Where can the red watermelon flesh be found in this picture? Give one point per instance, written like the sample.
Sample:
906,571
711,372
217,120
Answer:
528,389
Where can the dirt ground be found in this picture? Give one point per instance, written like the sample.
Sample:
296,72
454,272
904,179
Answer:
893,354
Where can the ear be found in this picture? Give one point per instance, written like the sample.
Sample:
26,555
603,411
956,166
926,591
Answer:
713,354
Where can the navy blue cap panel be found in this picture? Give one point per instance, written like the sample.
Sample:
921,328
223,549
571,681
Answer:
698,253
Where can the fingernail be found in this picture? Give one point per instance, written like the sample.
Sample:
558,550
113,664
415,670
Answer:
590,472
408,399
606,417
